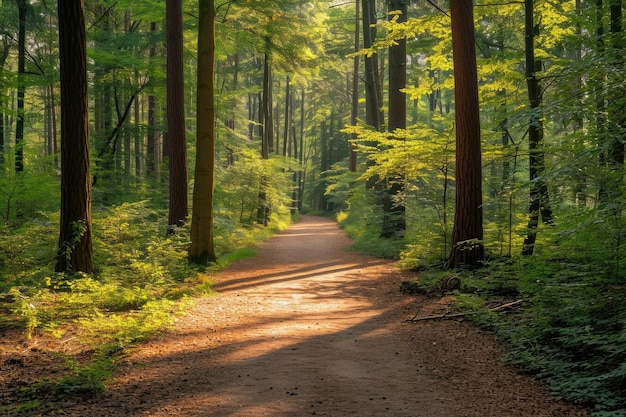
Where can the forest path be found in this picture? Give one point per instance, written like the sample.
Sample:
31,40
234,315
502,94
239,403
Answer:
310,328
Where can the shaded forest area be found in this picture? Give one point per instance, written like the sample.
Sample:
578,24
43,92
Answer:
143,143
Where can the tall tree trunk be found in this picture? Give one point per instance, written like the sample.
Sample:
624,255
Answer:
539,198
151,139
75,246
177,142
600,98
138,137
4,54
202,250
372,103
268,123
265,104
287,113
616,116
394,220
301,155
21,87
354,115
467,234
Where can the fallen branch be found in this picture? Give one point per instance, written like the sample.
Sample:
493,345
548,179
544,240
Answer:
450,315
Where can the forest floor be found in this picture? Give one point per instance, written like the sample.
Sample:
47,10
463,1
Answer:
311,328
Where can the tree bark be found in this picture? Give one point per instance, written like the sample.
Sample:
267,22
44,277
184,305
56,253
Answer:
354,115
177,142
75,245
539,197
467,235
372,103
202,250
394,220
21,61
4,54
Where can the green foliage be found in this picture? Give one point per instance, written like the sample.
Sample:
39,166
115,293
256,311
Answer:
142,286
569,331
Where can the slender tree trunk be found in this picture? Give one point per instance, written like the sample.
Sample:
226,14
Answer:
301,155
4,54
138,137
617,117
268,123
151,145
75,247
177,142
394,220
202,250
467,235
354,115
372,103
263,210
21,87
539,198
601,108
287,112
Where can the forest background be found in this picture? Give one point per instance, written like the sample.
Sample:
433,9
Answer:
304,124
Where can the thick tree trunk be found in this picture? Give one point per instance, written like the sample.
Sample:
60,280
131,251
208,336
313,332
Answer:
202,250
467,235
177,142
75,246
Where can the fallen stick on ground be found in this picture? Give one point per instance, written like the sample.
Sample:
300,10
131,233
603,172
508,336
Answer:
450,315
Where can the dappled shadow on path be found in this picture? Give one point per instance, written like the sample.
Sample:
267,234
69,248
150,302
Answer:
309,328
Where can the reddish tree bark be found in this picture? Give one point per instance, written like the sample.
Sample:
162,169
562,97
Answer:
467,234
75,246
177,142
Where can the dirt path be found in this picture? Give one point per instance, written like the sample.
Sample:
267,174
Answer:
308,328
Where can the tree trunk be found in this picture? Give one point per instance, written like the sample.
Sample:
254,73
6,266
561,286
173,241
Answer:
394,220
354,115
539,198
151,145
617,118
75,246
4,54
268,123
268,134
202,250
177,142
21,60
372,103
467,235
287,113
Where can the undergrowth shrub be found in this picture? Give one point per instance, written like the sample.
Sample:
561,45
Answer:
570,330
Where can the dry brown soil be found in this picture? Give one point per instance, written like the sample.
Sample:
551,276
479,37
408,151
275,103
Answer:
310,328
